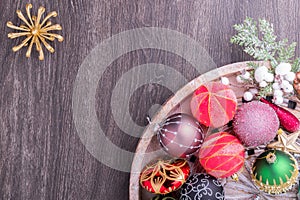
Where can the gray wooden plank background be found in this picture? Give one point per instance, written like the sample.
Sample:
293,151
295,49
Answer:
41,155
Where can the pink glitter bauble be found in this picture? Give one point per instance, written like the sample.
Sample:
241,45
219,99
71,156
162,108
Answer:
255,123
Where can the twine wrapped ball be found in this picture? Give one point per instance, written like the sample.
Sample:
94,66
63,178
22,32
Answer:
255,123
180,135
213,104
222,155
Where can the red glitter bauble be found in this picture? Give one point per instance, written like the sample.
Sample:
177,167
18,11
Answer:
287,120
165,176
213,104
222,155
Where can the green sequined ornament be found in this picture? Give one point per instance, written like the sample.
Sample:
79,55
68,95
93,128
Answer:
275,171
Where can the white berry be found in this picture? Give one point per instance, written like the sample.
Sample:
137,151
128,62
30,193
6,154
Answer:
263,84
288,88
283,68
278,100
276,86
224,80
284,84
278,93
245,75
269,77
248,96
290,76
260,73
239,79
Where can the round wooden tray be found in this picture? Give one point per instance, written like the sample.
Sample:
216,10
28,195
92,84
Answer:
148,148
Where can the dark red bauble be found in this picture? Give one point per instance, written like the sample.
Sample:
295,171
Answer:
165,176
180,135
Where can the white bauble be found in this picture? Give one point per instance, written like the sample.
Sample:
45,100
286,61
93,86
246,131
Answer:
283,68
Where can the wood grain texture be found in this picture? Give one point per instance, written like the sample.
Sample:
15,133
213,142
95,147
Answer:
41,155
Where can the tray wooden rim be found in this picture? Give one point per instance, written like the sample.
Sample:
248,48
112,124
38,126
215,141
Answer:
186,90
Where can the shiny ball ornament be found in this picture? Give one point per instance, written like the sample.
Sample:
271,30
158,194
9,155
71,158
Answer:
202,187
255,123
222,155
165,176
180,135
213,104
296,84
275,171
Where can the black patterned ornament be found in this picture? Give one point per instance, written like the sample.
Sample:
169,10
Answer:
160,197
202,186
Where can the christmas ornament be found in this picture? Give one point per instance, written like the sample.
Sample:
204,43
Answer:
225,81
165,176
213,104
275,171
246,189
287,120
161,197
248,96
260,73
202,187
35,31
290,76
296,83
286,142
222,155
180,135
283,69
255,123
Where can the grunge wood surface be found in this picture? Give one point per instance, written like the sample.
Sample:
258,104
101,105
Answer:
41,155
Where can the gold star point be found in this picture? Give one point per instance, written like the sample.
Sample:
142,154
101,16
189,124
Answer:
35,31
286,142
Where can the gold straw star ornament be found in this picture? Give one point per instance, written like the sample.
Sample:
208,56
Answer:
286,142
35,31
